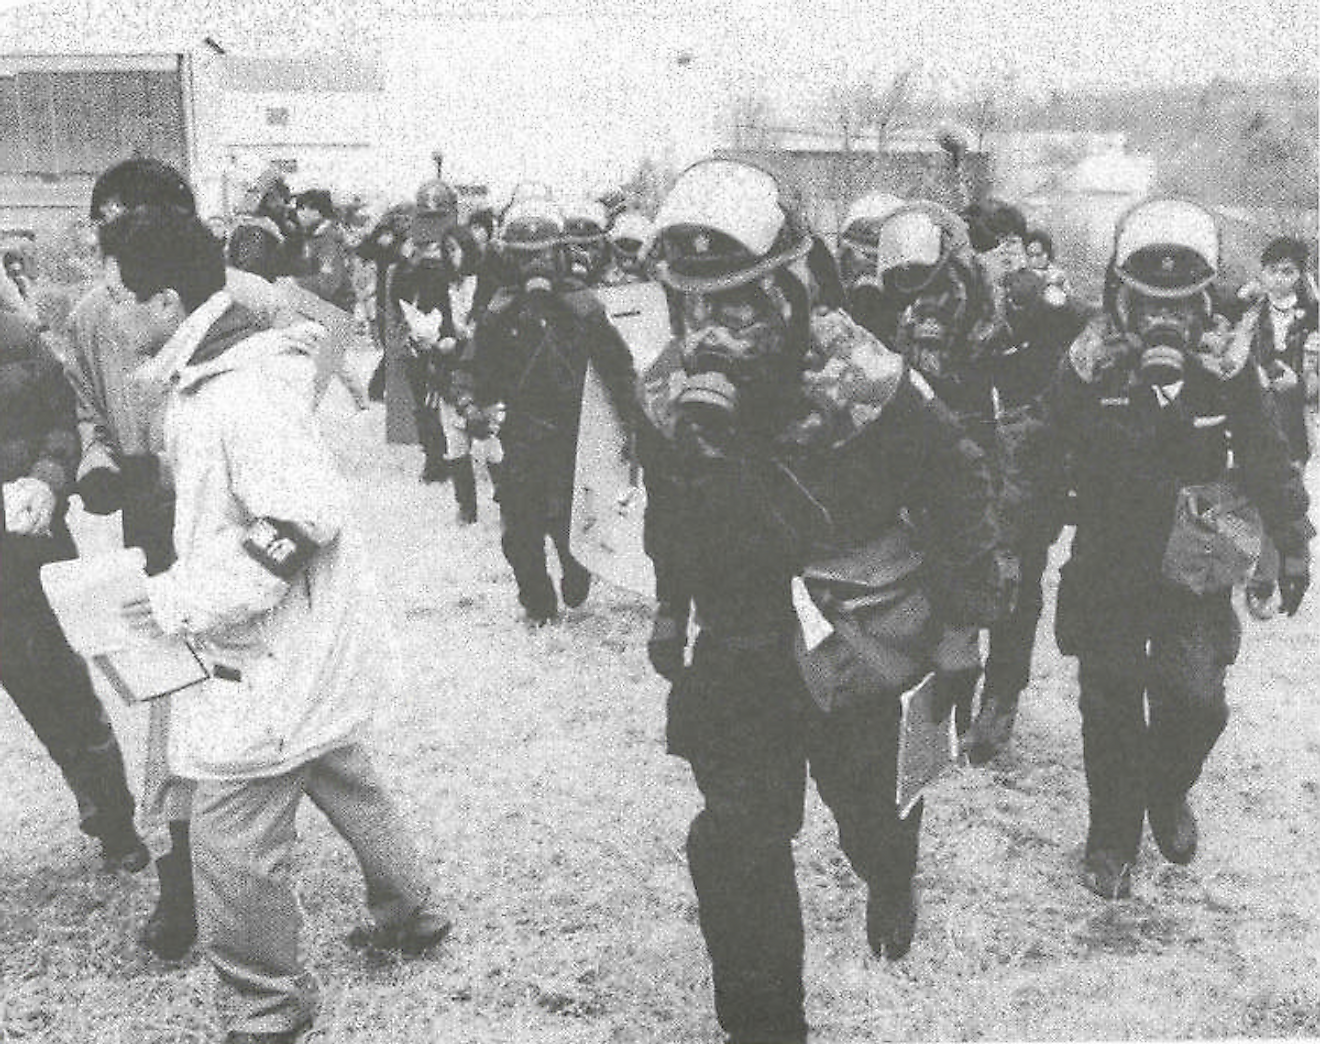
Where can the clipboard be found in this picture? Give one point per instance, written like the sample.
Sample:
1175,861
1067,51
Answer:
140,676
85,594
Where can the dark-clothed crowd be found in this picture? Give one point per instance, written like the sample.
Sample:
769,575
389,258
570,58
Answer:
856,462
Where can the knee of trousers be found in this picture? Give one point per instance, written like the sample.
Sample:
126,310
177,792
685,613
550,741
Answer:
1109,697
747,835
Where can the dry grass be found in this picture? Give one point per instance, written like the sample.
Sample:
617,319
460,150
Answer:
532,765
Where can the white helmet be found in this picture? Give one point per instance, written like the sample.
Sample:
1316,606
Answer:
1166,248
727,223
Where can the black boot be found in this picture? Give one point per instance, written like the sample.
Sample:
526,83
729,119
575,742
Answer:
171,929
992,729
465,489
376,386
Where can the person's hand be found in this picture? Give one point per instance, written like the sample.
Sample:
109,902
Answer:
476,423
667,646
102,491
1294,579
137,613
29,506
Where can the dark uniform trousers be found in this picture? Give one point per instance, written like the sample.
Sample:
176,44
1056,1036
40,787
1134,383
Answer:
743,720
49,684
1172,654
536,500
1008,659
430,432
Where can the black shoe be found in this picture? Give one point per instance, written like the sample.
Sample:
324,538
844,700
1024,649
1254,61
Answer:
1259,597
274,1037
171,929
1174,828
993,728
575,586
467,515
413,938
124,852
891,921
1107,876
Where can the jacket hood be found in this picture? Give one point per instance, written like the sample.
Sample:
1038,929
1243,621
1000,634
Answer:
223,337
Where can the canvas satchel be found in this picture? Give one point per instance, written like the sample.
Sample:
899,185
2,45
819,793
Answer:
1216,538
881,630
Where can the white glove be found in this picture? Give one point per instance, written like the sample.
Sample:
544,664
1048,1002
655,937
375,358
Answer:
29,506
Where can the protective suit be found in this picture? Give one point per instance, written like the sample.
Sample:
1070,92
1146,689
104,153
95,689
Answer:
788,454
523,381
1140,418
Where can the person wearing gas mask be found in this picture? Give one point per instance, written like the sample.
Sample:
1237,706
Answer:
1037,329
586,242
789,456
629,234
933,305
1280,325
525,374
1141,417
858,245
263,222
423,337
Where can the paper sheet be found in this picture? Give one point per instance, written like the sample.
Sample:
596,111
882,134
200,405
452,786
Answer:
425,326
926,748
86,594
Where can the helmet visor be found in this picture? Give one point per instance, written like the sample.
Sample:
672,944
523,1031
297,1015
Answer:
1167,247
735,199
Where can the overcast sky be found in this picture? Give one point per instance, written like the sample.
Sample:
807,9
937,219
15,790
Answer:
1048,42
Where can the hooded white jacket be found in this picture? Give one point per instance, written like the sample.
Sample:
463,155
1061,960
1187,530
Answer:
297,661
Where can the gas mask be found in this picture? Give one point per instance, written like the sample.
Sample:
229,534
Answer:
738,367
585,260
537,269
430,256
856,265
933,320
1167,331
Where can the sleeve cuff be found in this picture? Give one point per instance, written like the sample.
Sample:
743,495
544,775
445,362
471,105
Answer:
162,594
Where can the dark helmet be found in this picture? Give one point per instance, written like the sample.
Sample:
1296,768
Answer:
532,224
727,223
991,221
585,223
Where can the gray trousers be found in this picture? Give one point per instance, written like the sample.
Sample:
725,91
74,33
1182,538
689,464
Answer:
248,914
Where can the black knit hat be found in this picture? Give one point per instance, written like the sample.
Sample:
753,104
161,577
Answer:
992,221
142,181
318,200
1285,248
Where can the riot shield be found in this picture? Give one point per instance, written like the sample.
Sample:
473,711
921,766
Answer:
609,503
338,328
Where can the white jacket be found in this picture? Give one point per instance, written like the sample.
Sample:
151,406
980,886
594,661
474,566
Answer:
297,668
